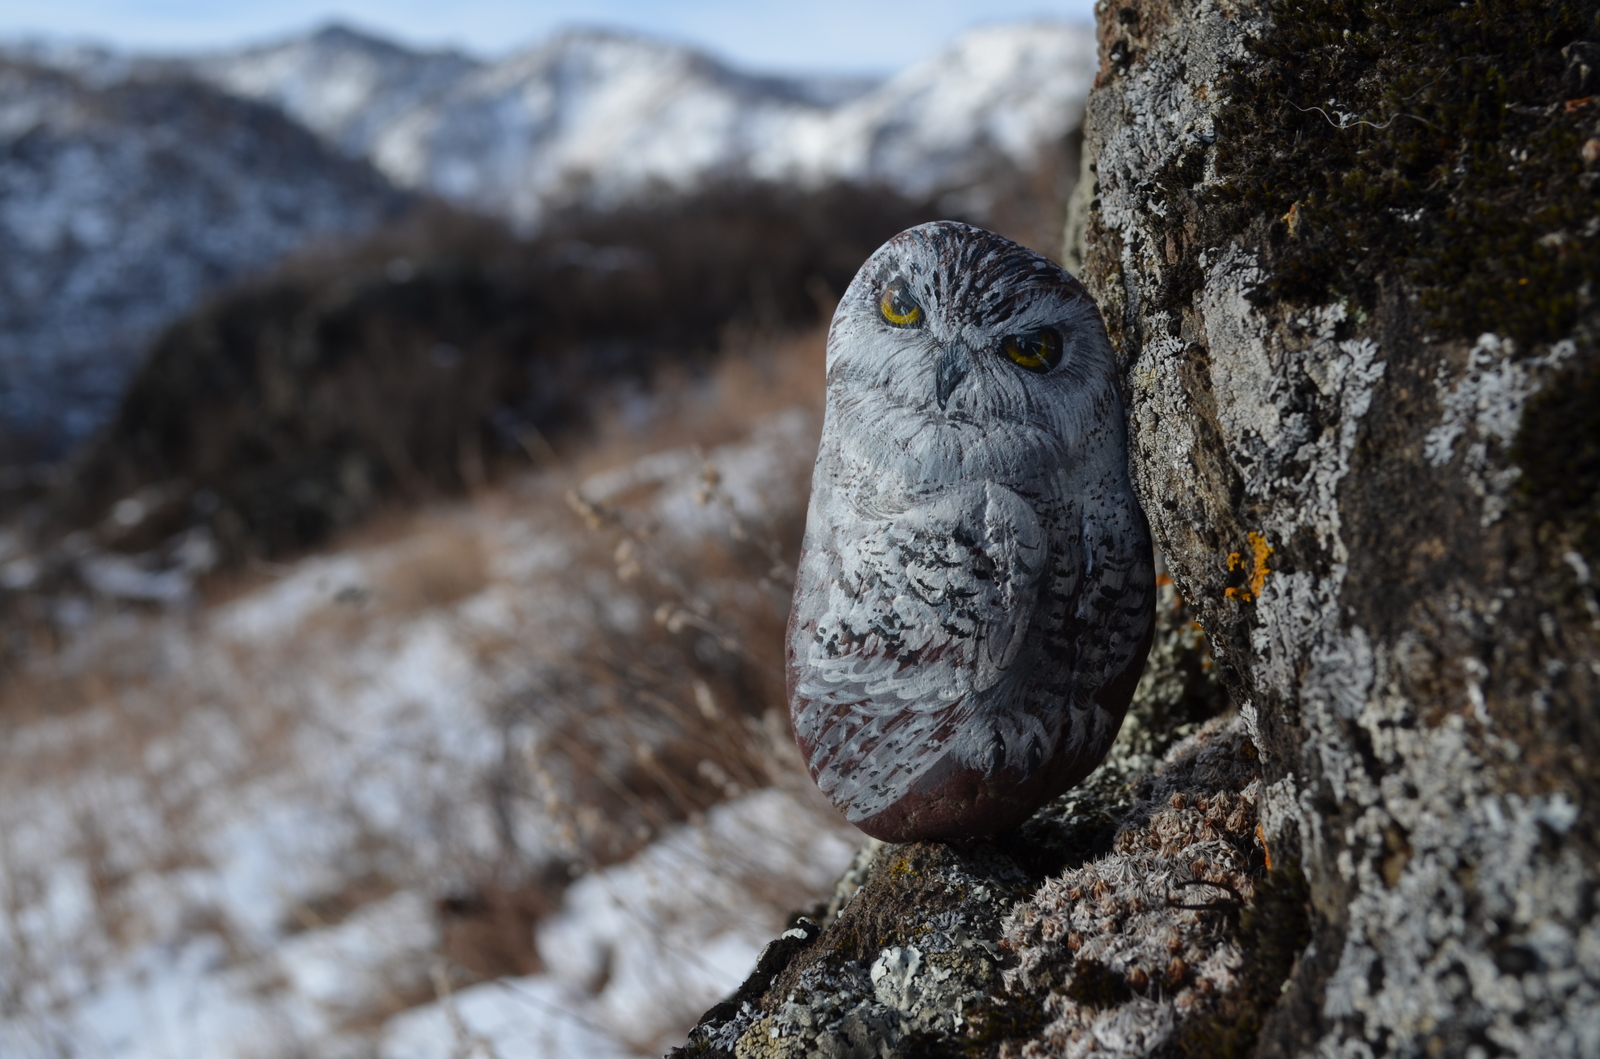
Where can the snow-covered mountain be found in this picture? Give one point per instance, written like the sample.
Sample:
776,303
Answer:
345,85
131,187
1001,95
122,205
603,115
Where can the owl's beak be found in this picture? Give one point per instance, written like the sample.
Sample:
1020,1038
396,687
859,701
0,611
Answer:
954,363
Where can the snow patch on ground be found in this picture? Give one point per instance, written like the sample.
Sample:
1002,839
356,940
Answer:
514,1018
236,837
664,936
679,926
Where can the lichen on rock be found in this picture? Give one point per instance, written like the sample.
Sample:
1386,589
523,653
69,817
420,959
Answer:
1127,948
998,947
1307,368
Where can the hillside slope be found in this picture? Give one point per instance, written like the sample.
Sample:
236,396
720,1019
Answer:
123,205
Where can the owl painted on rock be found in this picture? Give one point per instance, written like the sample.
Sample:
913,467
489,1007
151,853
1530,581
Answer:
975,597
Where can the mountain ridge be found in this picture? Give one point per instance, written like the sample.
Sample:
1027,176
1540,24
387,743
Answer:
111,224
600,114
324,134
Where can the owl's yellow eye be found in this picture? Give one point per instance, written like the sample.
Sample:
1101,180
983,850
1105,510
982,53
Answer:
1038,351
898,307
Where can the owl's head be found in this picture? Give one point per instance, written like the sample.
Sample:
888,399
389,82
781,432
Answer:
951,325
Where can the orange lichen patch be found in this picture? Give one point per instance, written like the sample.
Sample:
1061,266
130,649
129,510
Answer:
1258,575
1261,837
1234,591
1257,566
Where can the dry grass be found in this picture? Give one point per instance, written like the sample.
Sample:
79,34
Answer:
688,708
441,568
658,695
488,931
758,377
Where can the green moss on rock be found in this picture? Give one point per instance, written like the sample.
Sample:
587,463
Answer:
1451,154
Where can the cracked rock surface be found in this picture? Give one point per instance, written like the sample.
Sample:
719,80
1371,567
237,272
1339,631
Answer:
995,948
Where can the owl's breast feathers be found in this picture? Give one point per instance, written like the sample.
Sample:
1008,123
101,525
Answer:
913,626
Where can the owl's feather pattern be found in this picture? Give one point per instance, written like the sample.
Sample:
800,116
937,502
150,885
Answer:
976,587
928,609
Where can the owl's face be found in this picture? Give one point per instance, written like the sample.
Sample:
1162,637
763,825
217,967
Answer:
950,333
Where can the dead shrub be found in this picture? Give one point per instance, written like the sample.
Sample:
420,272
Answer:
652,724
329,909
488,930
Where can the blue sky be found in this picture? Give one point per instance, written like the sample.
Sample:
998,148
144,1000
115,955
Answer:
842,35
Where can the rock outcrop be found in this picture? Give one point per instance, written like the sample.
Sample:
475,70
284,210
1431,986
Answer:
1347,253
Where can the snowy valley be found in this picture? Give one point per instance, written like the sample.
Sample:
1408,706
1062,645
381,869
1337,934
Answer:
482,772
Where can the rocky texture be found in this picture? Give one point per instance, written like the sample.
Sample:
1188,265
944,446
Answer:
1344,250
1347,253
1110,919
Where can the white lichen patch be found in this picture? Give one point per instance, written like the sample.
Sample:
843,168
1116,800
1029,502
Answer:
1287,444
893,976
1484,406
927,984
1428,844
1476,911
841,1012
1427,832
1168,106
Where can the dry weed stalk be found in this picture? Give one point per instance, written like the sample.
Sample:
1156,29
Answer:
657,727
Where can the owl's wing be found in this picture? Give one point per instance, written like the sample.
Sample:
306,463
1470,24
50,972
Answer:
1112,614
925,611
1015,544
930,606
